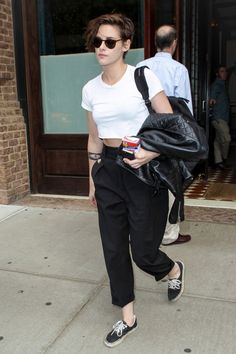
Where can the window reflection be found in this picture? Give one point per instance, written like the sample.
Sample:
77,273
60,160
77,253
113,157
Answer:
63,22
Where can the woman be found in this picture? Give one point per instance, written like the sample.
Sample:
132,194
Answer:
130,212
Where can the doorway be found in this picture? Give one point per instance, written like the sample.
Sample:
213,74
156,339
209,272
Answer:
57,66
223,24
219,48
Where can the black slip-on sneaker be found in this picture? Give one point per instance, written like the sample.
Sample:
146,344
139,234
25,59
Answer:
119,331
176,285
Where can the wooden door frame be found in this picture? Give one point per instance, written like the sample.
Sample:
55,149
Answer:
38,140
150,6
33,89
149,28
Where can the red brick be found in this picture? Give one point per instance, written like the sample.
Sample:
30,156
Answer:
14,173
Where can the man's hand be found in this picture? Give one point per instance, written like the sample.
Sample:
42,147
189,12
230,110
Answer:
212,101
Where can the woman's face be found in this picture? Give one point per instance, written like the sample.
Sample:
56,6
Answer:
107,56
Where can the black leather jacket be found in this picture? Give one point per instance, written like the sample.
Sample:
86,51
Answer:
165,133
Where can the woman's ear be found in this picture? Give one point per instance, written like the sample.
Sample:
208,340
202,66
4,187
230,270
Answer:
126,45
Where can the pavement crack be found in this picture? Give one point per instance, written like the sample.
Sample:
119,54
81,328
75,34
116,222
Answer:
93,294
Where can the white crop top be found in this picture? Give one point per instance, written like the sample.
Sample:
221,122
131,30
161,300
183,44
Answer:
118,109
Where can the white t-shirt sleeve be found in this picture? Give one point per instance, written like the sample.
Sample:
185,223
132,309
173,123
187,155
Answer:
86,102
154,84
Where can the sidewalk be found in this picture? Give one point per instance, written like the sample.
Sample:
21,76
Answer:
55,296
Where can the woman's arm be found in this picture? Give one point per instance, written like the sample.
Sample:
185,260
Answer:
95,146
161,104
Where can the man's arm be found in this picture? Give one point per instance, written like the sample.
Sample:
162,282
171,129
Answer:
183,88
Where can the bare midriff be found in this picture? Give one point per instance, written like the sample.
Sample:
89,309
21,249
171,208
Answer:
112,142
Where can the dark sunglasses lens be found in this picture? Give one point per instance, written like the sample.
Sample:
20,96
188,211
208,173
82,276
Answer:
97,42
110,43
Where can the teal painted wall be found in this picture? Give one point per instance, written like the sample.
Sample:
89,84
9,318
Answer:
62,79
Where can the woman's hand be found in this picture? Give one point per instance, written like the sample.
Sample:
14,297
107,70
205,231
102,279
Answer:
141,158
92,198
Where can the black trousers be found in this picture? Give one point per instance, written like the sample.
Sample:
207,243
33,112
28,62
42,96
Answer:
132,215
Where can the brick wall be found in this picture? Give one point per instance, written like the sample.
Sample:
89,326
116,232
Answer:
14,172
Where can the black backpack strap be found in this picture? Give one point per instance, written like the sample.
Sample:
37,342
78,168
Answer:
142,86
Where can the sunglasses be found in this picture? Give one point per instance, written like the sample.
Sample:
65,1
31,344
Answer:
109,43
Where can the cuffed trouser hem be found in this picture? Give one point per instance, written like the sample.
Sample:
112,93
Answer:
122,304
163,275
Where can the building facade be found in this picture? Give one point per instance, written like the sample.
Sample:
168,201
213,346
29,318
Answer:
14,167
44,64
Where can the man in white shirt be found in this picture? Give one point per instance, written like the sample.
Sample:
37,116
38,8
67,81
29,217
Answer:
174,78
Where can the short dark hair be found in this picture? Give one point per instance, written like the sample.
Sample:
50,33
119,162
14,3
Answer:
124,24
165,38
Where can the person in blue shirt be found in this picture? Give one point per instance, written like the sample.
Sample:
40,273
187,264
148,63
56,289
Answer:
219,100
173,75
175,81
